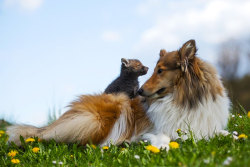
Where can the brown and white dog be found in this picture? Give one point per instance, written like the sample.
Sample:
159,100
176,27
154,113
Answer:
184,92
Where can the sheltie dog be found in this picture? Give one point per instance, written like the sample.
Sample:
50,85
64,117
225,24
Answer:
184,93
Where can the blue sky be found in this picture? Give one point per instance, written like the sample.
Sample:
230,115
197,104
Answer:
52,51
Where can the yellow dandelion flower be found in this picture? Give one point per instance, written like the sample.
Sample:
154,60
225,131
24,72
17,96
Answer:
242,136
15,161
93,146
2,132
153,149
248,114
35,149
174,145
12,153
213,153
29,140
105,147
71,156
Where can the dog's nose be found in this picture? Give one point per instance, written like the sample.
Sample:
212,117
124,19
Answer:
140,91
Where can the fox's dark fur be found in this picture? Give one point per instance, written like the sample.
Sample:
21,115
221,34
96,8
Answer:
128,82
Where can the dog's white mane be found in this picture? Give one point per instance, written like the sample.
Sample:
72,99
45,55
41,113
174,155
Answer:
204,121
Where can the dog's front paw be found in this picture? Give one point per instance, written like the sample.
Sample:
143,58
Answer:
159,140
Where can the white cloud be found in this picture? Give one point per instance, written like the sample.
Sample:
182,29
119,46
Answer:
111,36
29,5
144,8
210,22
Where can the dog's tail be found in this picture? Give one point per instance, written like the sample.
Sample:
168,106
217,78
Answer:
71,127
92,118
16,131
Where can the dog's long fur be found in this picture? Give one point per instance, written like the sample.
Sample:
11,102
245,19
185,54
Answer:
98,119
186,94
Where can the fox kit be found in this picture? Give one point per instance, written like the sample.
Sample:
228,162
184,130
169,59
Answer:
128,82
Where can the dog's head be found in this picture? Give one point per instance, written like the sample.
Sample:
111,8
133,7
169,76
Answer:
169,68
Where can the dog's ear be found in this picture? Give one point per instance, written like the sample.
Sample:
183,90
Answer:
125,62
187,54
163,52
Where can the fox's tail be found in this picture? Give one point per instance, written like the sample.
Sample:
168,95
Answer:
70,127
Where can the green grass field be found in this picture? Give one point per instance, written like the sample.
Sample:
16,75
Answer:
218,151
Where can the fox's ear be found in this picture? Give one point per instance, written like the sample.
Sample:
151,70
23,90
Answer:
187,54
125,62
163,52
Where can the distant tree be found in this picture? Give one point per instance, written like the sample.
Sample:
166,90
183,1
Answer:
229,59
248,54
232,56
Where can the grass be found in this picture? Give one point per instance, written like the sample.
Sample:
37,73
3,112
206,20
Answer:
218,151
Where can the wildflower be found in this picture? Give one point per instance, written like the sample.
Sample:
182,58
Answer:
224,132
15,161
184,137
240,116
93,146
137,157
2,132
235,125
39,140
242,136
153,149
213,153
145,141
29,140
12,153
233,116
235,133
123,149
71,156
228,161
105,147
206,161
174,145
60,162
35,149
235,137
248,114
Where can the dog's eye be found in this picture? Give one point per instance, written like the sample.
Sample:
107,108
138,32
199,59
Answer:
159,71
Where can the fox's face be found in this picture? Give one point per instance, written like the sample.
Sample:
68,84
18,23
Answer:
169,69
133,66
